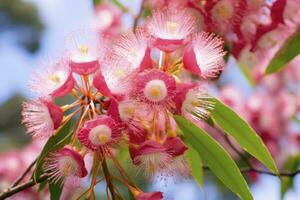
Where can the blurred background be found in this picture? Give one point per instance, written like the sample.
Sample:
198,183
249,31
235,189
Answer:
33,29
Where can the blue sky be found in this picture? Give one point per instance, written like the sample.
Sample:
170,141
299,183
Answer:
64,16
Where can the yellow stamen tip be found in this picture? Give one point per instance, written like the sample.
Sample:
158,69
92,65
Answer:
172,27
155,91
103,138
54,78
120,73
83,49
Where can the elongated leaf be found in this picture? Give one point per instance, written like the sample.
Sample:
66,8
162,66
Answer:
55,191
216,158
195,163
288,51
291,165
244,135
55,142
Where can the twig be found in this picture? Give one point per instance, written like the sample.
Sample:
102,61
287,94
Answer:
251,168
11,191
138,16
259,171
21,177
108,180
281,174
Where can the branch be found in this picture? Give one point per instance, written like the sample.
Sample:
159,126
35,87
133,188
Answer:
280,174
24,174
13,190
259,171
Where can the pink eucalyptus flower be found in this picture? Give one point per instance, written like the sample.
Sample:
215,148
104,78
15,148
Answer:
114,77
134,48
154,87
129,113
170,27
107,19
192,100
53,79
86,50
99,132
66,165
204,57
150,196
41,118
151,157
175,146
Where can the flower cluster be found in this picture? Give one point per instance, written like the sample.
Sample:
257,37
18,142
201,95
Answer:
248,26
128,88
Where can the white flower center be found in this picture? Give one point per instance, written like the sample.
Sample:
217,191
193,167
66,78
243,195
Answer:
155,90
83,54
57,78
100,135
120,73
172,27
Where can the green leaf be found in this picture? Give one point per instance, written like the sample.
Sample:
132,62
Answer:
96,2
55,191
291,165
216,158
210,121
195,163
42,185
55,142
242,132
288,51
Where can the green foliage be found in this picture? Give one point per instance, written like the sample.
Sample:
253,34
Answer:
288,51
291,165
244,135
96,2
22,17
55,191
195,163
12,132
216,158
54,143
